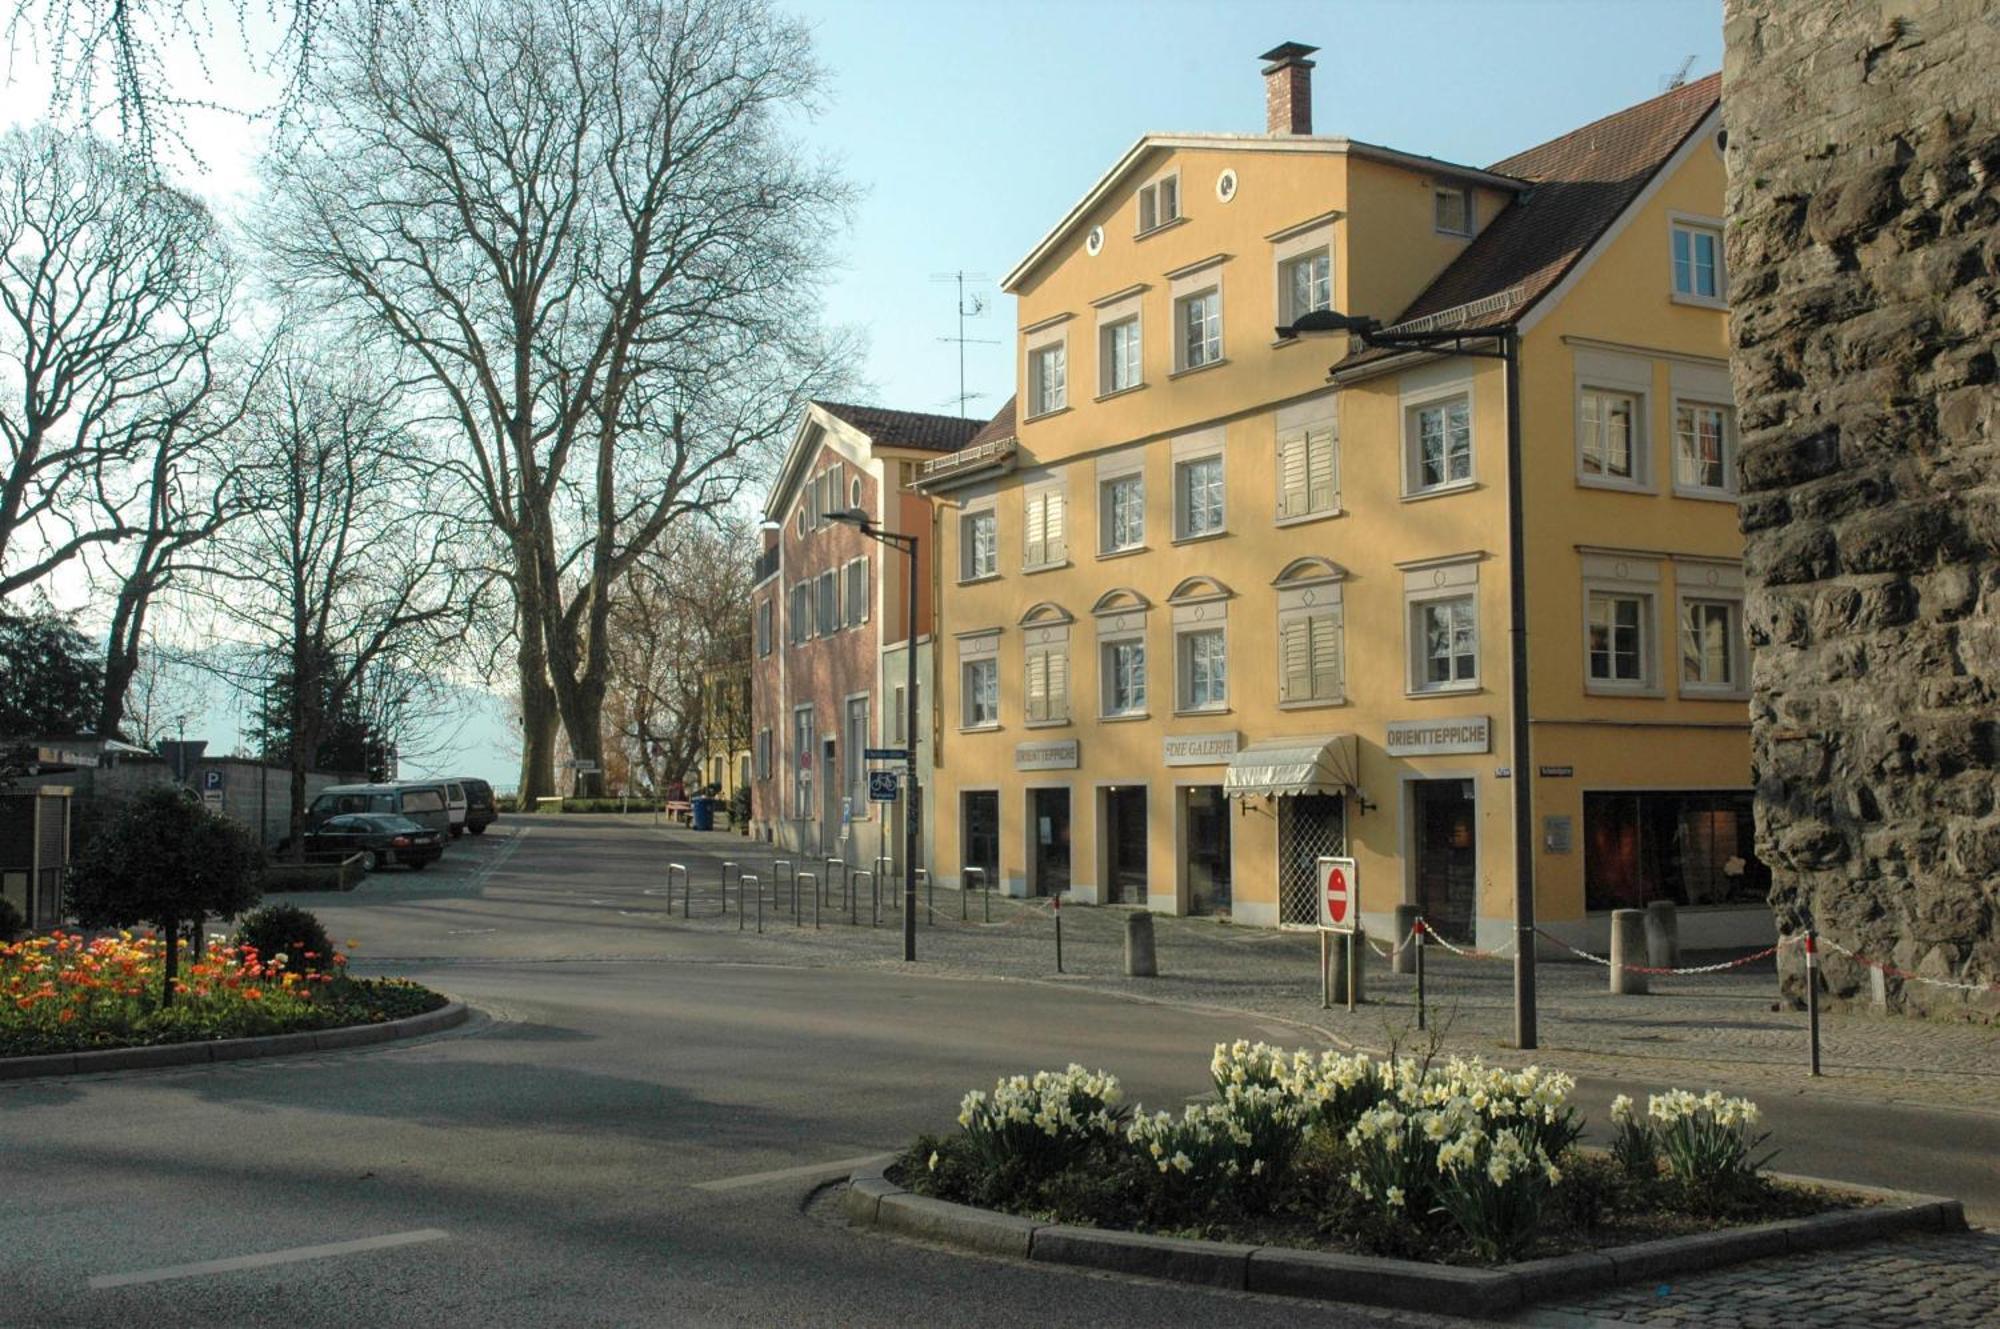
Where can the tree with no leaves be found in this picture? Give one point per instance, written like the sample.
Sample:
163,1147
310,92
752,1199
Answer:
586,224
114,296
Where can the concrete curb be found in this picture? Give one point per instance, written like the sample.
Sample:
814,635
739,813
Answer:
447,1016
872,1200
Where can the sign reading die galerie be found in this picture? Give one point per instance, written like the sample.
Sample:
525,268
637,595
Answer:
1201,749
1429,738
1339,894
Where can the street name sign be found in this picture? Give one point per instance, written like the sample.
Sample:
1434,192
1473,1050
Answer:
886,754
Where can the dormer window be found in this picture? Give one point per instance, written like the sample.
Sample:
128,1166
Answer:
1451,211
1159,203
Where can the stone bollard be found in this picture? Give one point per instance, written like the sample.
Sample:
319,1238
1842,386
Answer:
1663,935
1628,945
1404,959
1340,950
1140,961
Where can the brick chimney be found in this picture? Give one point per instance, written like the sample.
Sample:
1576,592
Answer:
1288,86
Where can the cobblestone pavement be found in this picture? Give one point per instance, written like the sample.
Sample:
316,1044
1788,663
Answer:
1941,1281
1724,1028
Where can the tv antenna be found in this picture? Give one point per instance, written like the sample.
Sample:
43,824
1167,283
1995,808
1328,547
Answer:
1679,78
969,306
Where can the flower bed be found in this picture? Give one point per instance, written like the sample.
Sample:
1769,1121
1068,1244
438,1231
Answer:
1452,1162
69,993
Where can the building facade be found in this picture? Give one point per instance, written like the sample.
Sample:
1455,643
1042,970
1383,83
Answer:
831,625
726,758
1211,610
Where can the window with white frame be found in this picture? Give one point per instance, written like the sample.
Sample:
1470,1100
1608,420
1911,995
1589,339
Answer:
1203,669
1308,469
1198,320
1697,261
826,619
1441,613
1620,653
1198,497
1438,436
763,754
978,545
1611,425
802,757
1704,448
1044,542
1621,604
1118,356
1048,378
764,626
1159,203
856,591
981,691
1046,684
1711,645
1451,211
1305,284
1124,669
1122,513
856,741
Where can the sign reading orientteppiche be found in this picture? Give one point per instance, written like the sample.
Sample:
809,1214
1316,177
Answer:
1060,755
1427,738
1339,894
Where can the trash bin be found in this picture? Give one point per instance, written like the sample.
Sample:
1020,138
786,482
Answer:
703,810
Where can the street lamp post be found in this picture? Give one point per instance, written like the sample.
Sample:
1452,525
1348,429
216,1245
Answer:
1500,342
908,545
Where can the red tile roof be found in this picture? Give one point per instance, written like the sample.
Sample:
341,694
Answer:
905,429
1578,186
999,427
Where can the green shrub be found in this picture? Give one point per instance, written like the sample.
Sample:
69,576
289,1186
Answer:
1634,1150
11,921
1707,1143
289,930
739,807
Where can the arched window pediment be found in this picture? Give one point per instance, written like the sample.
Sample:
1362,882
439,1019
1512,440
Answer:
1308,571
1199,588
1120,600
1046,613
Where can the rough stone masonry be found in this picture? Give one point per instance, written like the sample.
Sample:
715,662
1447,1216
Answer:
1863,142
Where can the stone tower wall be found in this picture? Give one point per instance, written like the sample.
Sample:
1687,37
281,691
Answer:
1864,255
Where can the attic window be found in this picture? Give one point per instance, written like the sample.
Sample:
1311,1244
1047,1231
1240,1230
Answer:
1451,211
1160,203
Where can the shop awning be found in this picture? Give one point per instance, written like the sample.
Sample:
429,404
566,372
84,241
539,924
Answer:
1281,767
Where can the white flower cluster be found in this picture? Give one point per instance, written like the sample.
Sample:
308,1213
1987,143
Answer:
1072,1102
1243,1135
1681,1105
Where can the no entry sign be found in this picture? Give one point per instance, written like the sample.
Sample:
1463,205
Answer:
1339,897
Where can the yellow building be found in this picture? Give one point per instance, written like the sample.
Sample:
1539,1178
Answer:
725,726
1209,610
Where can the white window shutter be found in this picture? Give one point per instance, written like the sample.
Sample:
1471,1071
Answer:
1294,659
1056,664
1038,685
1323,478
1034,543
1293,476
1326,653
1052,519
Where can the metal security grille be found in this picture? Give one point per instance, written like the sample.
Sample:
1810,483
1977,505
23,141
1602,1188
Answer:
1309,827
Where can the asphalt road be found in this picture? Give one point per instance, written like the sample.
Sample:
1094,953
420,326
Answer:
595,1147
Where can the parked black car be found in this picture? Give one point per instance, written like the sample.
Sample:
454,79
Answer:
479,809
385,836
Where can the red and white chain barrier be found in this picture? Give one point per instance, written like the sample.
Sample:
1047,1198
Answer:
1468,952
1893,972
1716,968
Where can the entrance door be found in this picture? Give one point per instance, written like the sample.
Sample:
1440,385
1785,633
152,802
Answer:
981,832
1125,844
831,799
1048,828
1205,824
1447,856
1310,827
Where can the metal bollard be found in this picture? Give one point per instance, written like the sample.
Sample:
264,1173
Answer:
1141,959
874,891
727,864
831,864
1628,943
752,880
930,896
819,898
884,868
681,868
1402,960
1349,960
1058,908
965,890
1417,949
1812,999
798,914
779,878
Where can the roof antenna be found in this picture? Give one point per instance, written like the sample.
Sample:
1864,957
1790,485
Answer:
971,306
1679,78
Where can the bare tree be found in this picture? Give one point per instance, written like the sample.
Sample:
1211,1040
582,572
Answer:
114,292
682,614
161,690
345,561
586,222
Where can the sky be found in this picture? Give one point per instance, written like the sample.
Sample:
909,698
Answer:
972,127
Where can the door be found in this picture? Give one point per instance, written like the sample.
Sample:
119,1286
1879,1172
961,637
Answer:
1310,827
1048,825
1205,826
1125,844
982,836
1446,857
832,798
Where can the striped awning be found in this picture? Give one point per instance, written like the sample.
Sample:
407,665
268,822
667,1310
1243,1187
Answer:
1288,767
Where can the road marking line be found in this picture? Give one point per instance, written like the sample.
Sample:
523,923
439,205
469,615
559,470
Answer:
292,1256
1278,1031
830,1168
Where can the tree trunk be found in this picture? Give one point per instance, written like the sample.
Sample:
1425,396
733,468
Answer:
582,709
121,654
171,969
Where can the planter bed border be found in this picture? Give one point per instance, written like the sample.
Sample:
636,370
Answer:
872,1200
199,1052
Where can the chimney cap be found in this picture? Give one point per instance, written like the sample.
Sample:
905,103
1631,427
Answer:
1286,55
